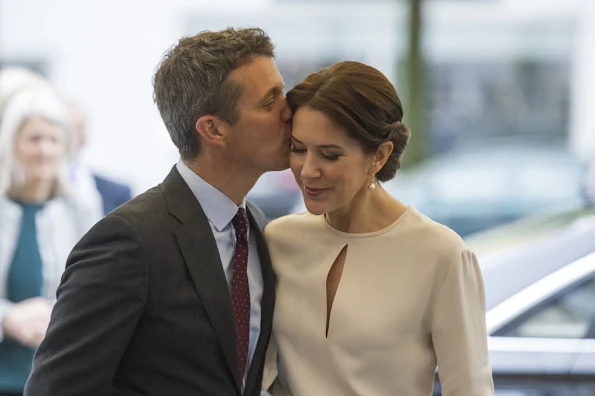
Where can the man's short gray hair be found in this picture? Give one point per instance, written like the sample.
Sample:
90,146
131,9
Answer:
193,80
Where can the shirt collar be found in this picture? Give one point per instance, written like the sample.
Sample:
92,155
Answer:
218,208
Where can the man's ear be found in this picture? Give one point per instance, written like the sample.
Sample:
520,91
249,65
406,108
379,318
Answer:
211,130
380,157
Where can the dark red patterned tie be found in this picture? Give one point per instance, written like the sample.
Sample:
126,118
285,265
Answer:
240,289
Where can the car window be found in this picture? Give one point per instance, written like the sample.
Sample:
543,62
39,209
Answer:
570,314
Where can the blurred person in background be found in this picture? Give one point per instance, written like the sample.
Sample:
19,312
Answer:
173,292
39,225
111,194
15,79
371,294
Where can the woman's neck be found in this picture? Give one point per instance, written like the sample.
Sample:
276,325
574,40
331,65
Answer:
34,192
368,211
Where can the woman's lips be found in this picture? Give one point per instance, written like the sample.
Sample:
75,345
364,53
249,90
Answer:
314,192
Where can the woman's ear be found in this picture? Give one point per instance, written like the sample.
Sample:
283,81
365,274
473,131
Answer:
211,130
380,157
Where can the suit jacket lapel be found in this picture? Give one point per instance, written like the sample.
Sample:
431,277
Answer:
200,252
267,307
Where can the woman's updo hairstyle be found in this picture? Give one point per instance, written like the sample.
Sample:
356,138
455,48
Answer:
363,101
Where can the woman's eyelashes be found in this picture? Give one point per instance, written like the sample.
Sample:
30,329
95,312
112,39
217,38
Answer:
330,157
327,157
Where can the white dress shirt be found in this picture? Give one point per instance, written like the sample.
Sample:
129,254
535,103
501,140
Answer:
220,210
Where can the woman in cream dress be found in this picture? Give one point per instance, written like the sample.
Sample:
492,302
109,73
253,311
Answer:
372,295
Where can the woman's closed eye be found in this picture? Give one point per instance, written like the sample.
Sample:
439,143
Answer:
327,157
330,157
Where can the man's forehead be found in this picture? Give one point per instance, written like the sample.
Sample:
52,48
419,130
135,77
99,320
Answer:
259,75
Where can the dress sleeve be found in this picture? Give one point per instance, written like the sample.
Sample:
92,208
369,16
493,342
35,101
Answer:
459,331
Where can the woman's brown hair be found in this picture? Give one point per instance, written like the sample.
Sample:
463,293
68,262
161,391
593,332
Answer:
363,101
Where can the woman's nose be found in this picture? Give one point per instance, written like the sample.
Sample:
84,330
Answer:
310,168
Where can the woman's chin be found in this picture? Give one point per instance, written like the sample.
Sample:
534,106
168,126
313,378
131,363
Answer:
315,209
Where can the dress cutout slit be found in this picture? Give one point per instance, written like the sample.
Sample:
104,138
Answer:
332,283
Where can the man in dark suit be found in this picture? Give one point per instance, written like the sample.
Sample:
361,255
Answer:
173,292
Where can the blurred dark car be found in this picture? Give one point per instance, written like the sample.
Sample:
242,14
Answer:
546,333
519,254
542,340
540,292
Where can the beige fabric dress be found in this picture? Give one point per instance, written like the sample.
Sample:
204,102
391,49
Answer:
410,297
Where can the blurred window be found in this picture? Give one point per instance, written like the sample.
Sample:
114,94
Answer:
570,314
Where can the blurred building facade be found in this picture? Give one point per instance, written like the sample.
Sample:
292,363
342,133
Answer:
504,68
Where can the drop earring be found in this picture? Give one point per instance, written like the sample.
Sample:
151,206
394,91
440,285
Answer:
372,186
